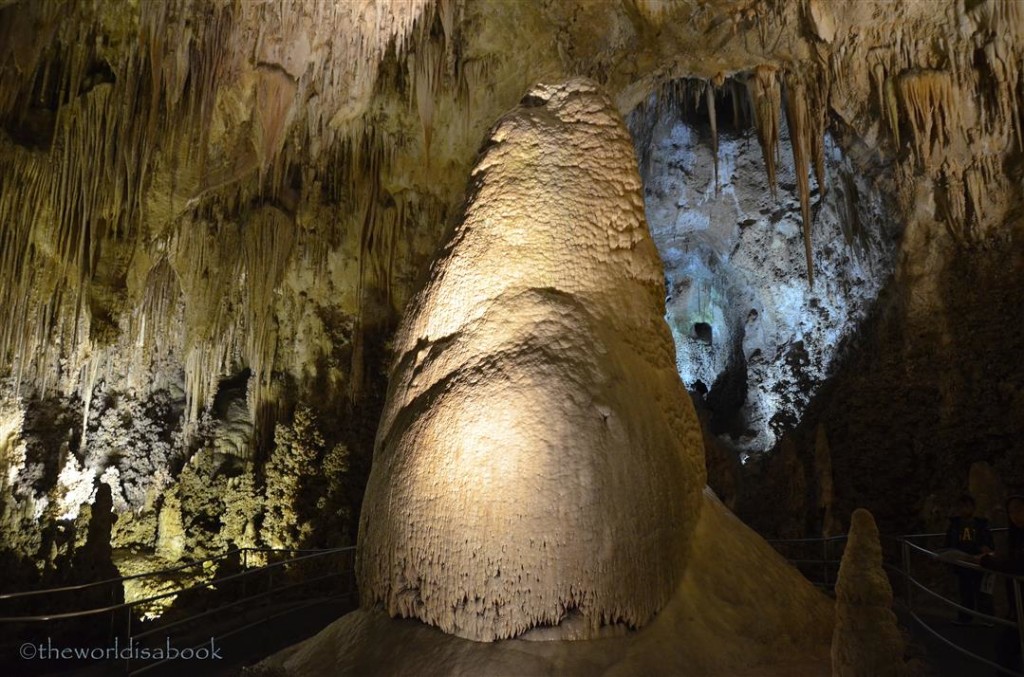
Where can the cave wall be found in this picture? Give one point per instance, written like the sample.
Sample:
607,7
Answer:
919,398
207,241
754,337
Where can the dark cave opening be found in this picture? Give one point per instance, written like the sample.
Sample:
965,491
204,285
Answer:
703,332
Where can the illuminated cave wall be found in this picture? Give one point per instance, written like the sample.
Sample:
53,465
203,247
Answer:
207,241
753,339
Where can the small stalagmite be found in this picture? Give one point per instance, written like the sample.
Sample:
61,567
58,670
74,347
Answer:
537,460
866,641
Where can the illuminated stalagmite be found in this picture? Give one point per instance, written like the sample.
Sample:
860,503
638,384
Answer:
537,456
866,641
538,463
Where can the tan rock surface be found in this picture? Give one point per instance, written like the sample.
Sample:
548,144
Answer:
866,641
534,397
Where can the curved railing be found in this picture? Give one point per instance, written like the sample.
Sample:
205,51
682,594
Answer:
303,578
903,556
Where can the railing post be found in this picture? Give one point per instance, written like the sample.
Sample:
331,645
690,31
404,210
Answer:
128,638
905,547
1020,616
824,562
113,613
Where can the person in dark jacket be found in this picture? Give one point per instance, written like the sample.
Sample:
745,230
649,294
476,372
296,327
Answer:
971,535
1009,561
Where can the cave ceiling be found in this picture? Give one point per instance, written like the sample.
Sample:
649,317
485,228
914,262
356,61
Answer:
192,191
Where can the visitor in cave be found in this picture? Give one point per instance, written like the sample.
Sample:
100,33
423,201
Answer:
969,534
1009,561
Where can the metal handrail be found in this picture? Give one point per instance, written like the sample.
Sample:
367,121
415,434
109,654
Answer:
911,583
960,649
128,605
149,629
960,607
907,547
934,534
164,627
119,579
841,537
963,563
159,572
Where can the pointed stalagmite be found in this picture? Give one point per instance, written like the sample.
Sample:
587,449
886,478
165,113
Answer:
533,396
866,641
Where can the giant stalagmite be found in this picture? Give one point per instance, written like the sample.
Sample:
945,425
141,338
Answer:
537,458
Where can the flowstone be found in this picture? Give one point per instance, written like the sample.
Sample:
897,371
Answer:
538,458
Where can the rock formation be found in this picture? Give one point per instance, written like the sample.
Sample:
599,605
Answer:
739,610
516,430
866,641
212,215
534,396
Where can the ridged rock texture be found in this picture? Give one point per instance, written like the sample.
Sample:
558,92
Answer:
740,610
866,641
537,457
213,213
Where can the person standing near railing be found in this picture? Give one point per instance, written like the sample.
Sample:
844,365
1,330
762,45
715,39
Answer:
1009,561
971,535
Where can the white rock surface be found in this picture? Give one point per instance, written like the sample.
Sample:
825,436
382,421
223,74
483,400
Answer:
734,260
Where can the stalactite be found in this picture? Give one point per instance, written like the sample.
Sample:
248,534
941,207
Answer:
931,101
1003,58
275,100
446,10
473,74
742,112
22,200
801,129
206,64
425,73
156,320
26,34
268,239
209,272
818,110
766,100
65,207
87,195
709,96
974,189
888,106
952,203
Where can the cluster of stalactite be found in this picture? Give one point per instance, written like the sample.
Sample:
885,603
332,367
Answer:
952,109
756,98
150,217
919,90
